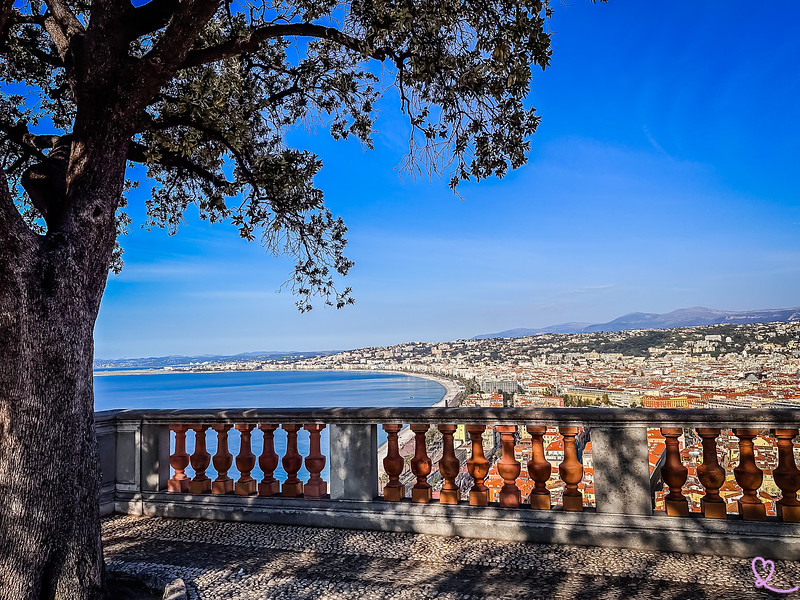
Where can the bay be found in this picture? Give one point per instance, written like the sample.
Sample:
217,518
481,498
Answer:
263,389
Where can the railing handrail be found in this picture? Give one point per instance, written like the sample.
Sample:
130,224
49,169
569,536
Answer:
585,417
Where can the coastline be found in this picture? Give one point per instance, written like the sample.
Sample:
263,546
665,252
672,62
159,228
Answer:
451,388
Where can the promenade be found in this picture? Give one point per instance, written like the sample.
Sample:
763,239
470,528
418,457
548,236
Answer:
243,561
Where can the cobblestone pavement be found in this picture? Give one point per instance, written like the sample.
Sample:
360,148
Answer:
243,561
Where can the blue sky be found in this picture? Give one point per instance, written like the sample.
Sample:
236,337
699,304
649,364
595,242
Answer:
664,175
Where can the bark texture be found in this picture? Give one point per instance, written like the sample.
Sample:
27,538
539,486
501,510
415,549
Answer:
50,291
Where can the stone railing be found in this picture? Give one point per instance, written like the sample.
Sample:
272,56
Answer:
144,472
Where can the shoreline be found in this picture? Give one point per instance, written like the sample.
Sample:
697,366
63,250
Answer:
451,388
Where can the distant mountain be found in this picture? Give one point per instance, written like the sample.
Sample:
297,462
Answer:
683,317
512,333
159,362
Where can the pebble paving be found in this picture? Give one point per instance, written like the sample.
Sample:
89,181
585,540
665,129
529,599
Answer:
246,561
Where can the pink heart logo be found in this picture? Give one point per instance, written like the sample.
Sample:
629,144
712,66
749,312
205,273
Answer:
764,564
759,564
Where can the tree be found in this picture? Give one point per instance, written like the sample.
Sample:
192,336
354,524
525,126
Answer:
201,93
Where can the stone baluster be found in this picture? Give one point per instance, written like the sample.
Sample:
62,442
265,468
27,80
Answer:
245,461
449,467
179,460
539,469
223,460
787,477
200,484
421,465
674,474
509,468
315,462
749,477
711,475
478,467
571,471
393,464
292,461
268,462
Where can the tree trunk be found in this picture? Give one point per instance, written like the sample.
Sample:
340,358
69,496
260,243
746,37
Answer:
49,472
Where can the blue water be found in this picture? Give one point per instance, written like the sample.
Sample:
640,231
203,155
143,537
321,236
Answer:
263,389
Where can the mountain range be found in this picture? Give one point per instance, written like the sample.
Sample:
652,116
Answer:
683,317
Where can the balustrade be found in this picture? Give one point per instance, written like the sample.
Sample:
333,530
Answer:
674,474
449,466
179,460
710,473
539,469
749,477
223,461
292,461
200,459
571,471
315,462
787,477
394,491
478,467
268,461
509,468
245,461
421,466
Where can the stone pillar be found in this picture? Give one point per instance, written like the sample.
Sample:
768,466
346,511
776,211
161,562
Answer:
621,470
152,462
354,462
105,428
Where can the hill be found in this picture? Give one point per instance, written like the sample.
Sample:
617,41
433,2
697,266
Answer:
683,317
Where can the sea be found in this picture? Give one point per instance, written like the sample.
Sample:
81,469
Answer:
262,389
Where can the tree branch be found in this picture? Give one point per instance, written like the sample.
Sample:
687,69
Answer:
150,17
252,42
210,134
27,142
170,52
65,18
62,25
13,229
7,16
138,153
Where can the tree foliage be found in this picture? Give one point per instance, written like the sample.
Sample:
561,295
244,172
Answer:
210,90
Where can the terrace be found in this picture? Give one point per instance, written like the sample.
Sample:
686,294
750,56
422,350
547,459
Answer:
330,502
